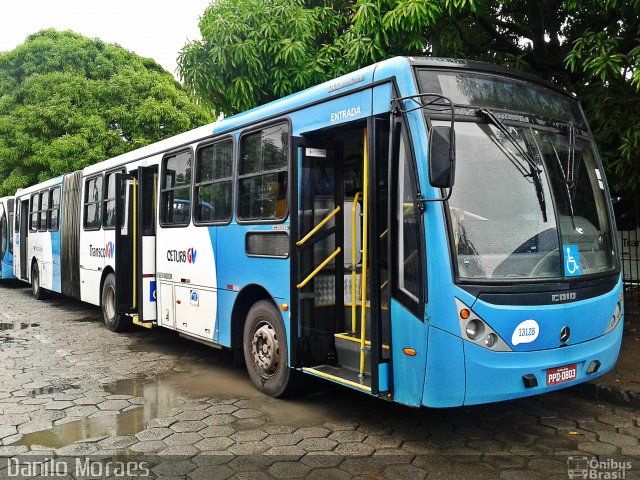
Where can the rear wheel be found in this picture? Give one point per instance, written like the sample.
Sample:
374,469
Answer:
36,289
265,350
113,321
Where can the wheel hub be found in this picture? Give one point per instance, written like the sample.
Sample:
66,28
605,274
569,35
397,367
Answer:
110,302
266,349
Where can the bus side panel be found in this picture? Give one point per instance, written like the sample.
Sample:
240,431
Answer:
55,260
408,372
444,384
236,270
92,250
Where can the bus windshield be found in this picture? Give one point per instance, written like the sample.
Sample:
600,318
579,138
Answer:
529,200
509,223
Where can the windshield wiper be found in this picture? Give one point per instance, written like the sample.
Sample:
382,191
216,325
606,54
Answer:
565,178
534,170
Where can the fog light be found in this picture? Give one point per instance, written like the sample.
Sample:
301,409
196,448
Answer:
475,329
491,340
593,367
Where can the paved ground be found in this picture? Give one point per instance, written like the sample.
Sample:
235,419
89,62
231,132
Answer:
622,385
70,387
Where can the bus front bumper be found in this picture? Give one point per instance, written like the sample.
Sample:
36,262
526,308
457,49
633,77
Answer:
496,376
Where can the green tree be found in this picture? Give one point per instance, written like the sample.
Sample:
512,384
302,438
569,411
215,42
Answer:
67,101
253,52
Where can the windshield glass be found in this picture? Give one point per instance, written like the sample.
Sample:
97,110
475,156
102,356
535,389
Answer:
500,93
511,220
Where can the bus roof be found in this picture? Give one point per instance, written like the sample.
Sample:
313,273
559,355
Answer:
323,91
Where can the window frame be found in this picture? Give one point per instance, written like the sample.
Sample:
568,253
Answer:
162,190
32,197
50,209
105,192
85,203
42,194
416,307
253,129
232,179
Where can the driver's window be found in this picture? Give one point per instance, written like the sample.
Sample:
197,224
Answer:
408,254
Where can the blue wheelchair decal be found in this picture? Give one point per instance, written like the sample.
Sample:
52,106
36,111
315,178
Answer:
571,261
152,291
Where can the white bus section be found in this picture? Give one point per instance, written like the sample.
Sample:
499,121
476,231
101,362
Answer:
37,239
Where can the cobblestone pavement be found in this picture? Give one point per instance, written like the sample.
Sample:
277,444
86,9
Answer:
70,387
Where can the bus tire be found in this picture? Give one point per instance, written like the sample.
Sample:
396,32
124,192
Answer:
36,289
113,321
265,350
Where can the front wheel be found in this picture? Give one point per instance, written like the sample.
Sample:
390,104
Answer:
36,289
113,321
265,350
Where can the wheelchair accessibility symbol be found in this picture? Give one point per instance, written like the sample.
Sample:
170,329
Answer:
571,261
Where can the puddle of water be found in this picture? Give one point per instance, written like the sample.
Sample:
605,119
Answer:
17,326
201,373
159,398
126,423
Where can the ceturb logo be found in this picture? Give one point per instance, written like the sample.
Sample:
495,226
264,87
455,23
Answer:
182,256
107,252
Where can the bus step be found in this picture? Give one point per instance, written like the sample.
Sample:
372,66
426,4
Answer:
341,375
136,321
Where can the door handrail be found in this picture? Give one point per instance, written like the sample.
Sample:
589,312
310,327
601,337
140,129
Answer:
318,268
354,260
318,227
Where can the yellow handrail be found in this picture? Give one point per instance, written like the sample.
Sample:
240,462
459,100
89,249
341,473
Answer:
135,244
354,260
318,227
365,238
320,267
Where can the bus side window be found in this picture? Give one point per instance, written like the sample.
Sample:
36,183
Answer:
109,221
93,203
214,173
409,263
54,210
33,211
4,230
43,210
263,175
176,189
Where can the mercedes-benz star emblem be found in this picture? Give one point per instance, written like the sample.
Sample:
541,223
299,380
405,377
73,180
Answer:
565,333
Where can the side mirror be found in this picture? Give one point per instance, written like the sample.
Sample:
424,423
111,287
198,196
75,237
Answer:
442,157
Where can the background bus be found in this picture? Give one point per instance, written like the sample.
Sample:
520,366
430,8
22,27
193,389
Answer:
6,238
321,234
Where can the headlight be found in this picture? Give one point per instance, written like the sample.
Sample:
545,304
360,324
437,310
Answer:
475,330
616,316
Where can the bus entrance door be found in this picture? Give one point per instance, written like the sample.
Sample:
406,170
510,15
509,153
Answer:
146,244
339,267
22,264
125,257
135,257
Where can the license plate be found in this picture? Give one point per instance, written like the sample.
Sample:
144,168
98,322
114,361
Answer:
561,374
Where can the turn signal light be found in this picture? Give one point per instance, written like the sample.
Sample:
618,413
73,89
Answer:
284,307
409,351
465,313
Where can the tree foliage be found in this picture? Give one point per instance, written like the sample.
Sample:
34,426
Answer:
67,101
254,51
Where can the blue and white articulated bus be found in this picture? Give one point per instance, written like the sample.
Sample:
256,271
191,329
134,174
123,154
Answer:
433,232
6,238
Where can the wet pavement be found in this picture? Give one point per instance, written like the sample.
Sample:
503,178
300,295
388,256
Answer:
622,385
69,387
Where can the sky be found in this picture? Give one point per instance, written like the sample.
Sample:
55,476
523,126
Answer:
156,29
